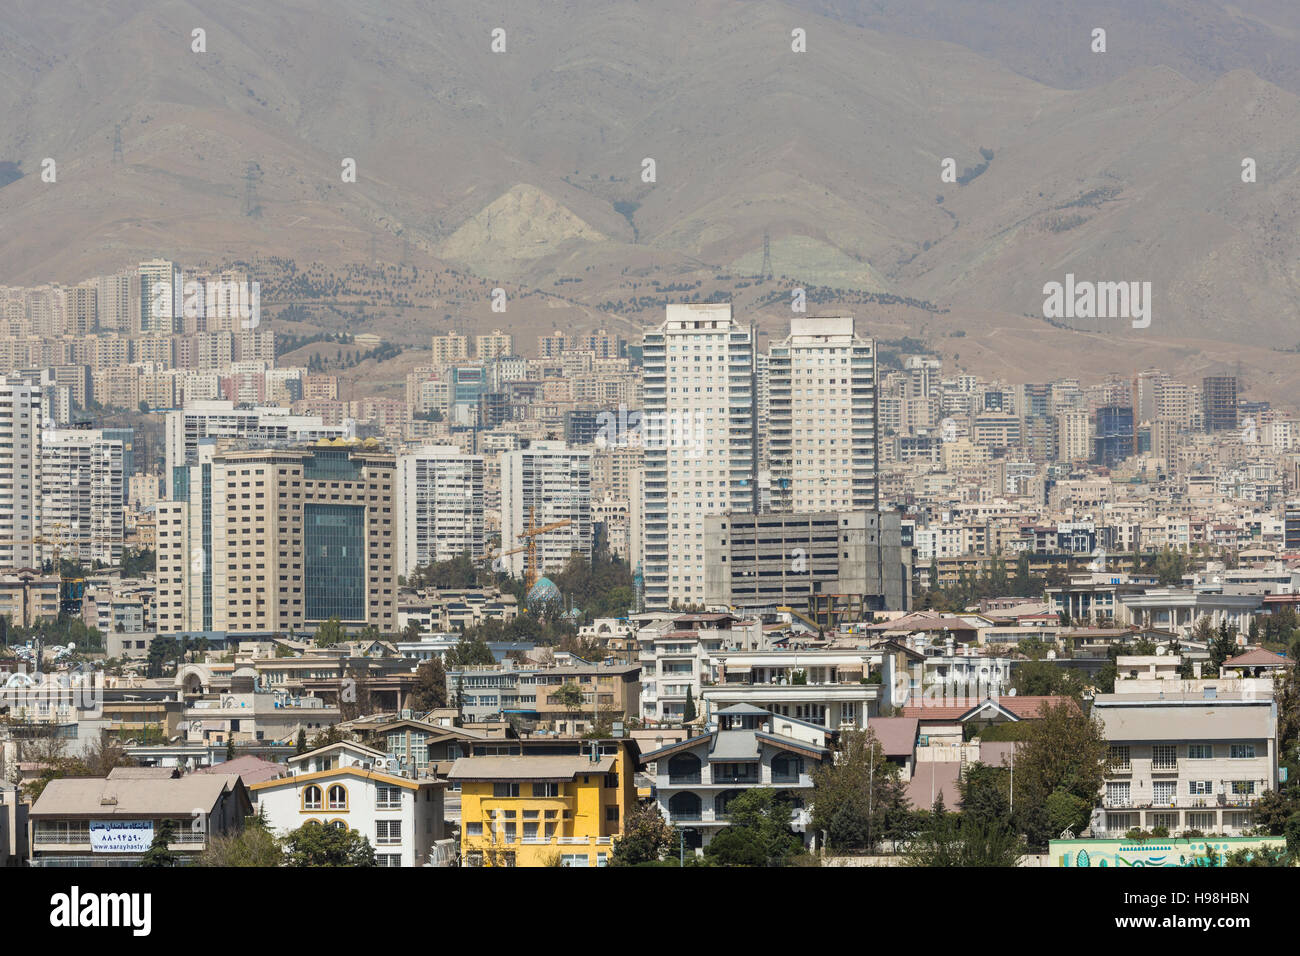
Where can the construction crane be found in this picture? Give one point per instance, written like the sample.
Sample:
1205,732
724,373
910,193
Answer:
530,546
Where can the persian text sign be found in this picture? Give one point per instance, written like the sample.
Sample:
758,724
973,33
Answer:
120,836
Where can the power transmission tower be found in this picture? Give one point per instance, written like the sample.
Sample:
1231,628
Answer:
766,271
252,175
117,144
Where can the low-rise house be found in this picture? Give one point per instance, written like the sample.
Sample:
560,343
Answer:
400,813
948,721
743,747
110,821
1185,761
544,801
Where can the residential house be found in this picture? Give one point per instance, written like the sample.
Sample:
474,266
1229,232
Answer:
743,747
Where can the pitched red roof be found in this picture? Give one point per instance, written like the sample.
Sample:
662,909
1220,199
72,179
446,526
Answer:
1257,657
951,709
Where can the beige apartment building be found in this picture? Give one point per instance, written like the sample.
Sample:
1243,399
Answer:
277,541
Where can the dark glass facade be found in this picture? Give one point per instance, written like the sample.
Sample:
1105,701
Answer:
334,562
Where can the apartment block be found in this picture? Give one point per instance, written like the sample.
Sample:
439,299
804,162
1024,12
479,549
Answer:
279,540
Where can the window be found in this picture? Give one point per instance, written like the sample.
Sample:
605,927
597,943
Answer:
508,789
1241,788
611,815
474,829
1200,787
1119,758
312,798
1163,792
530,832
388,859
338,797
1241,751
510,832
1117,795
1164,757
1200,751
575,859
544,789
388,832
1200,821
388,798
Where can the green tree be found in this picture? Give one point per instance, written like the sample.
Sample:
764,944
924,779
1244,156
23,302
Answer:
569,696
430,689
1064,751
329,633
954,839
1170,566
759,833
985,793
858,794
159,852
301,746
314,844
254,845
688,711
1044,679
470,653
647,837
1223,647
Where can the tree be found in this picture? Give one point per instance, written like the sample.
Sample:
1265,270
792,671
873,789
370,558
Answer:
159,852
430,689
858,794
569,696
953,839
646,838
1170,566
1045,679
301,746
104,754
1064,751
759,833
1223,647
314,844
329,633
688,711
985,793
470,653
230,746
254,845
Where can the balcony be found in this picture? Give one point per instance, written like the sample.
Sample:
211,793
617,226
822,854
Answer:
683,780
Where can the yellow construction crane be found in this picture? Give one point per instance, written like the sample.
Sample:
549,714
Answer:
530,546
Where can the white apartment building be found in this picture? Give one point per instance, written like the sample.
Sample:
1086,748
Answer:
259,427
362,790
20,479
677,655
161,304
545,483
701,449
822,417
82,494
439,506
1185,761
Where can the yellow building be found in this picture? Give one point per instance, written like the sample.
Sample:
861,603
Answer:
542,803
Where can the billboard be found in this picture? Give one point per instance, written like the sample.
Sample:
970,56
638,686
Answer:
120,836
